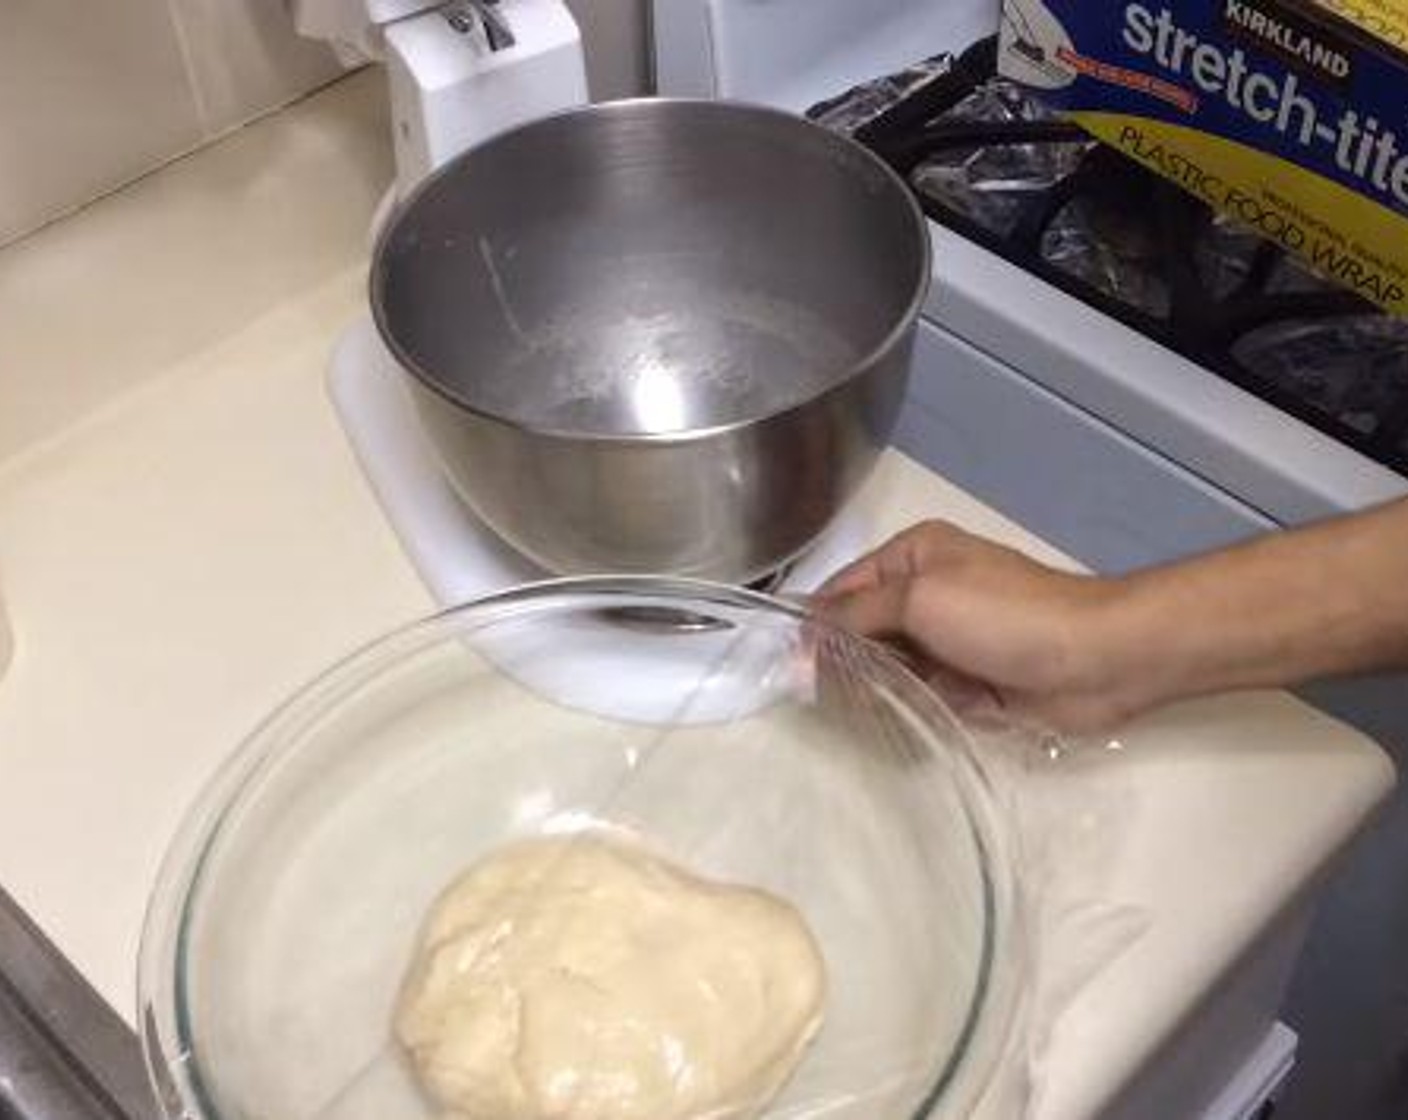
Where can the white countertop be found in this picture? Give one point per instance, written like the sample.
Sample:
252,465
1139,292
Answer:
185,537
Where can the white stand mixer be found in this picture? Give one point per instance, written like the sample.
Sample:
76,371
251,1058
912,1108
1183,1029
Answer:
455,81
459,71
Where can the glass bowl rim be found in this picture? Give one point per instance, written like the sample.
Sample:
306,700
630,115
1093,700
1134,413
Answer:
165,1028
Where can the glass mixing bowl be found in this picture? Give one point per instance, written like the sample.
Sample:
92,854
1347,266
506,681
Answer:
730,731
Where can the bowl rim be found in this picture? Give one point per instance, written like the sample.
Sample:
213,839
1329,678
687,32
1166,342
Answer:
165,1028
903,324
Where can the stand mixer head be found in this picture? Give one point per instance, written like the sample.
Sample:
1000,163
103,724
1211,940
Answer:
459,71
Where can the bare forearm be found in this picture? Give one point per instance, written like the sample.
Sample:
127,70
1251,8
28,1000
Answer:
1323,601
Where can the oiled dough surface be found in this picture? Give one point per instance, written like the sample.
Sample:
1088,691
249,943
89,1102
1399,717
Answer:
584,978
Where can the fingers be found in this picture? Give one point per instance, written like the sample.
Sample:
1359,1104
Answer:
857,576
875,611
903,556
997,633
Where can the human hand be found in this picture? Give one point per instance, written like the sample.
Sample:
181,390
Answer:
1081,653
996,632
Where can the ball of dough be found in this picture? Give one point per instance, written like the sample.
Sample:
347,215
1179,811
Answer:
583,978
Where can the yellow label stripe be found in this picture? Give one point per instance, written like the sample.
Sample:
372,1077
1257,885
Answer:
1343,235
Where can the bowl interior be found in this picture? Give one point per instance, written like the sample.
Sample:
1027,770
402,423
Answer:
290,905
649,266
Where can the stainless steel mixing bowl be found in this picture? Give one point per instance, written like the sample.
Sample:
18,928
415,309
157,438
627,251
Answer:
656,336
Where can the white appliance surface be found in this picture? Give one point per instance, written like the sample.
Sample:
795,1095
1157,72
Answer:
795,54
451,90
1272,463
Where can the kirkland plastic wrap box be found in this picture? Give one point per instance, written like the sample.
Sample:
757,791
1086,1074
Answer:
1290,115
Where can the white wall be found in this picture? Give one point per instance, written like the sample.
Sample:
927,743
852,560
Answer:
94,94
